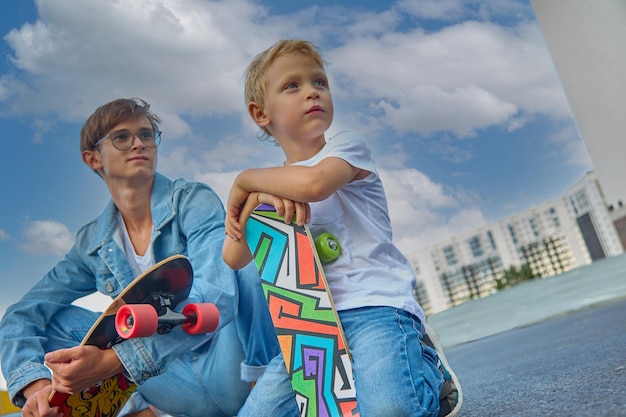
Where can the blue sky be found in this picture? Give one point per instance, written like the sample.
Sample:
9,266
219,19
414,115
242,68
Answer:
458,99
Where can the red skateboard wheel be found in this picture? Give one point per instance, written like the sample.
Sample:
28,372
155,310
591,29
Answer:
136,320
203,318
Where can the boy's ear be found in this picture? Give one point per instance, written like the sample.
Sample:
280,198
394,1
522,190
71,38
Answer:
258,114
92,160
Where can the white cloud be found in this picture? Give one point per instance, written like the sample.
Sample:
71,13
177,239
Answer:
451,151
461,111
453,10
418,209
187,57
434,9
570,146
220,182
4,235
4,87
46,237
461,78
209,156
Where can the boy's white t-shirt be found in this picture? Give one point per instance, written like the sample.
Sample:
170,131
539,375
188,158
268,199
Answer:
371,270
140,263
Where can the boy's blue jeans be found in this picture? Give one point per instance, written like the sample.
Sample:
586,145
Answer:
395,375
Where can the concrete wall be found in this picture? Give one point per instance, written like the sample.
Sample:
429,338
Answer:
587,41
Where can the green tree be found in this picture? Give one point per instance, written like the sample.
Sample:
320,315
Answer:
514,276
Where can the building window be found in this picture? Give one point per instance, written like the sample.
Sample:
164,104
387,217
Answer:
492,241
554,217
580,203
476,247
533,226
448,253
512,233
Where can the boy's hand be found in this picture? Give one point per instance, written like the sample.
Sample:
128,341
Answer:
37,404
235,251
288,208
237,197
81,367
283,206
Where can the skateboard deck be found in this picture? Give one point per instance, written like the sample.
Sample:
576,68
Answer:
172,276
304,316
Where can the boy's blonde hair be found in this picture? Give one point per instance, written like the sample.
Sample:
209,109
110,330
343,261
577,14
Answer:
257,75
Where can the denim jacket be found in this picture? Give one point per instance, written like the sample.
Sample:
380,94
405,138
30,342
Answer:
188,219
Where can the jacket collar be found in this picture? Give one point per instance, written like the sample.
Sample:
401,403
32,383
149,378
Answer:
160,205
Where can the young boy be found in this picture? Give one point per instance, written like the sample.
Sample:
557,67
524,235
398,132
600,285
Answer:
397,370
148,219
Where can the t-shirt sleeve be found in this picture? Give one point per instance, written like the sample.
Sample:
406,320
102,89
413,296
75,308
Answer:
350,147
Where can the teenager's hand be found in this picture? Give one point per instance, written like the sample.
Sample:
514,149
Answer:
37,405
81,367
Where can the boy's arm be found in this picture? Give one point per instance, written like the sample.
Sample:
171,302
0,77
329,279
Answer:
235,251
297,182
293,183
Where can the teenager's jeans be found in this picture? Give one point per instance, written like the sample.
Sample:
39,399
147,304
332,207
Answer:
203,382
395,375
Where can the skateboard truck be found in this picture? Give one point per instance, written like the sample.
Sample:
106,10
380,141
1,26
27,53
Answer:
167,318
156,316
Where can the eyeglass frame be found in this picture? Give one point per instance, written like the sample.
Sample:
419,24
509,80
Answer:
157,139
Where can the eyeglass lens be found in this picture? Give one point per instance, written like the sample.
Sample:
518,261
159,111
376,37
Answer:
124,140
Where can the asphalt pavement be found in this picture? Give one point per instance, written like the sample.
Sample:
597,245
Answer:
549,347
573,365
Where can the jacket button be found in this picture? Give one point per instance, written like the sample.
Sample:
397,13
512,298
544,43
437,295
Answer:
109,287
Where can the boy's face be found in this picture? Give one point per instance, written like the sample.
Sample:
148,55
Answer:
298,105
138,162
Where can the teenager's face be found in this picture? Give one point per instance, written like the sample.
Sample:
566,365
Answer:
137,162
298,104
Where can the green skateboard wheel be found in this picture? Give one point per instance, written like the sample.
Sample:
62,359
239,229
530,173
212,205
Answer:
327,246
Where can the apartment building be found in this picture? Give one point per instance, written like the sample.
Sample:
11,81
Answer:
557,236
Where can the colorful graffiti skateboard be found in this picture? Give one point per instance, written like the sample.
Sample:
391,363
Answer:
144,307
304,316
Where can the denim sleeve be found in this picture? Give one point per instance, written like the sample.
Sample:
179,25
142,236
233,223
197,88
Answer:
23,328
200,220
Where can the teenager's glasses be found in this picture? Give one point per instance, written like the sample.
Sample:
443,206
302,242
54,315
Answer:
123,140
